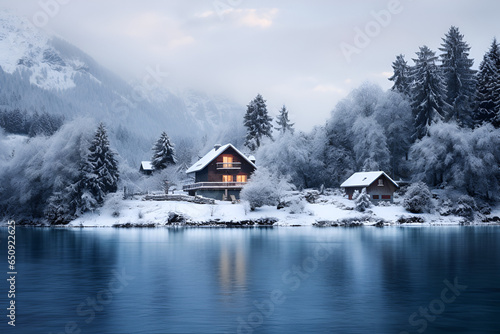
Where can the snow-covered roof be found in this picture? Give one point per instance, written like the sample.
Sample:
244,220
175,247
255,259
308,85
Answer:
146,165
364,179
213,154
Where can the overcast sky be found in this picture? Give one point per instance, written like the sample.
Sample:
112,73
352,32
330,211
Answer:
305,54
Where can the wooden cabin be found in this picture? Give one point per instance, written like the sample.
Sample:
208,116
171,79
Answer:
378,185
220,174
146,168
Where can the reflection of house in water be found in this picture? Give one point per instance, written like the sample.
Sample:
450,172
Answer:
232,266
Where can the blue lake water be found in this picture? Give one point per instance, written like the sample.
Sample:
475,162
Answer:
256,280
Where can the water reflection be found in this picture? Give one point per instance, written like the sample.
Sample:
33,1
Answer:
232,267
220,280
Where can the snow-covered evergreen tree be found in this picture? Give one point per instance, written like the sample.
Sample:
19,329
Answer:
257,123
488,88
283,122
163,153
428,92
459,77
362,201
99,171
401,76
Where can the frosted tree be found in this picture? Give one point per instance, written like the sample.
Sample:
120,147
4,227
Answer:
418,198
163,153
264,188
295,157
370,145
459,158
488,88
257,123
332,149
428,92
459,77
283,122
99,170
482,175
362,201
347,147
401,76
41,180
394,115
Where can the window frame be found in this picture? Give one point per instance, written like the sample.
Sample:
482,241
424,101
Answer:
227,161
240,177
226,178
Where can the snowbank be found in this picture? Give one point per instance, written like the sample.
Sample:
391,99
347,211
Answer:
326,208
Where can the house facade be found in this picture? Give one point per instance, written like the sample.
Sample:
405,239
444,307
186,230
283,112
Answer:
220,174
378,185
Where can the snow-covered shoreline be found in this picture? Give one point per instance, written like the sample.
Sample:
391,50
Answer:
329,209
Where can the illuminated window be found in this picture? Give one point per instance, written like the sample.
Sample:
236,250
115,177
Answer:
241,178
380,182
386,196
227,178
227,161
375,197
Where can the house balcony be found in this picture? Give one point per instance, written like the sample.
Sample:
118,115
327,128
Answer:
213,185
229,165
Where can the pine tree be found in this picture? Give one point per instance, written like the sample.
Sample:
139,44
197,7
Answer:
283,122
163,153
362,201
257,122
458,76
401,76
428,92
99,170
488,87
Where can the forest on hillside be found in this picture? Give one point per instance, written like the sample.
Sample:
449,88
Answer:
438,124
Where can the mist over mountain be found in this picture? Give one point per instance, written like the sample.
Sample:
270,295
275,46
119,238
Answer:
41,73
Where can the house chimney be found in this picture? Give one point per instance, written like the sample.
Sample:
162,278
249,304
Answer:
217,146
252,159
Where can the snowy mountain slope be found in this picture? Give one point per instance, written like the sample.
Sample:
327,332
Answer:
40,72
23,47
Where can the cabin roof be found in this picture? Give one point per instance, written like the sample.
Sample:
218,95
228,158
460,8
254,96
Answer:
364,179
146,165
213,154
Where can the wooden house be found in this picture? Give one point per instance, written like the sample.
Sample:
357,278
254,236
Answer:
146,167
378,185
220,174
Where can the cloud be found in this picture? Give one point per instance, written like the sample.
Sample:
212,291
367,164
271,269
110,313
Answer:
328,88
384,74
253,18
260,18
206,14
151,26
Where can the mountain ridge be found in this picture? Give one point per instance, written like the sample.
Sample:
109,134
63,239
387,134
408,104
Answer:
41,72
